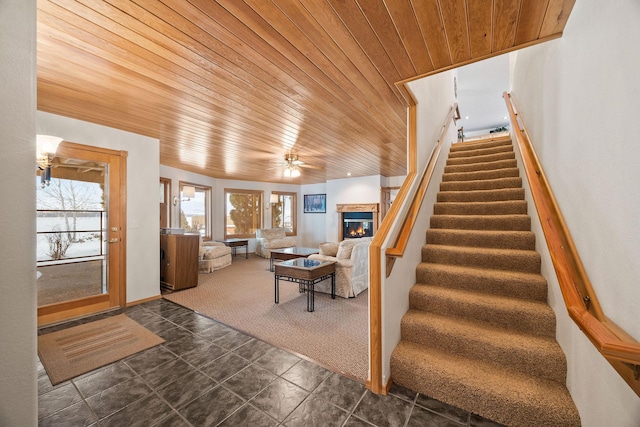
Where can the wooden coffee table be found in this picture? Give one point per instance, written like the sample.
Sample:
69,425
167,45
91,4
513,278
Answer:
290,253
306,273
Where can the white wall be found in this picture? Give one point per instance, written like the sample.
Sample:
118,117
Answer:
312,227
143,222
577,96
18,391
435,96
364,189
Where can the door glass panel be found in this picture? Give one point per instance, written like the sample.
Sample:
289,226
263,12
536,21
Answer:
72,228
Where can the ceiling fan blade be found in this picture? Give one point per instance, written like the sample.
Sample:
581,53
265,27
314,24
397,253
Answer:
305,165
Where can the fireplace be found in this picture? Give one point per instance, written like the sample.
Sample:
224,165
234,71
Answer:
357,224
357,220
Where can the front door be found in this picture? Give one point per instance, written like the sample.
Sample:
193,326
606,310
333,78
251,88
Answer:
80,233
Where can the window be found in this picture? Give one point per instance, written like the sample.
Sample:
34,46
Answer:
283,213
195,209
243,212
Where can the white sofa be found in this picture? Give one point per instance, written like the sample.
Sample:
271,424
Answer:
352,266
213,256
272,238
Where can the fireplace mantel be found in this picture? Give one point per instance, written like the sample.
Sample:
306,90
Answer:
358,207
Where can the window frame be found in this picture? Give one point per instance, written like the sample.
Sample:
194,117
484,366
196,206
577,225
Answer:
208,209
166,206
294,209
260,221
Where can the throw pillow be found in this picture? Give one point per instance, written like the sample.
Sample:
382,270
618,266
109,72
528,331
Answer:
329,249
345,248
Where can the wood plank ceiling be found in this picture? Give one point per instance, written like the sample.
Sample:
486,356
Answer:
230,86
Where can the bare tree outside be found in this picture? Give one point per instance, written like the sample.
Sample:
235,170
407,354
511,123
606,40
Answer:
61,206
70,196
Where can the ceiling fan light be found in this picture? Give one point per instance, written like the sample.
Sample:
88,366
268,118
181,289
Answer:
295,173
287,173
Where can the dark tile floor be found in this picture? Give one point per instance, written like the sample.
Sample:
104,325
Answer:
207,374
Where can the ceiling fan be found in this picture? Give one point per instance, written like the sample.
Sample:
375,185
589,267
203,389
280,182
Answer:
292,165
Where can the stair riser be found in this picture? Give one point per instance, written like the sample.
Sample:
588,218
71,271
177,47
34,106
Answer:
412,371
480,175
499,195
461,222
499,240
527,288
515,358
507,155
480,152
509,207
493,184
464,146
526,262
507,317
474,167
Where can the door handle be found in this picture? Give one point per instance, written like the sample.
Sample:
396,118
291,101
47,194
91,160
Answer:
114,240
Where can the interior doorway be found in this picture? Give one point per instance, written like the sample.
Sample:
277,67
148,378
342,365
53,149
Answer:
81,233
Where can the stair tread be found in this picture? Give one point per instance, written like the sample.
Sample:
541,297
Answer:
502,395
482,299
472,145
477,166
481,174
486,273
482,184
494,194
508,239
507,283
480,151
504,155
537,355
519,222
525,253
498,207
489,334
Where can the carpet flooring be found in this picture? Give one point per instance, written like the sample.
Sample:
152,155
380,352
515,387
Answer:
335,335
71,352
479,333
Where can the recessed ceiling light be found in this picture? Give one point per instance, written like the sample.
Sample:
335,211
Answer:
348,173
505,118
466,117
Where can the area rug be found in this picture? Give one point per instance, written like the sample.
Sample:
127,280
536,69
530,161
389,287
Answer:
71,352
241,295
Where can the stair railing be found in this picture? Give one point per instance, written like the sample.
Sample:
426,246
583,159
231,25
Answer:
408,191
618,347
409,220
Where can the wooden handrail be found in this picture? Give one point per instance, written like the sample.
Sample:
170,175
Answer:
401,240
618,347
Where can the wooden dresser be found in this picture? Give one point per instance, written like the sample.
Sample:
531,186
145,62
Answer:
179,261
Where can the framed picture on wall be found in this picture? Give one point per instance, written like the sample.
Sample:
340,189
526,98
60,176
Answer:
315,203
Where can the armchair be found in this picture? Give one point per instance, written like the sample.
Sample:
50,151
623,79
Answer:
272,238
352,266
213,256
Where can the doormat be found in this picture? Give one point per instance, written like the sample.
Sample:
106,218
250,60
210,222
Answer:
71,352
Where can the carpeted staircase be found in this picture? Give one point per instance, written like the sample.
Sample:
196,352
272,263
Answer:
479,333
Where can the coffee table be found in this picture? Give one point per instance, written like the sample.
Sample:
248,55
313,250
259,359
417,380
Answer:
290,253
235,243
306,273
